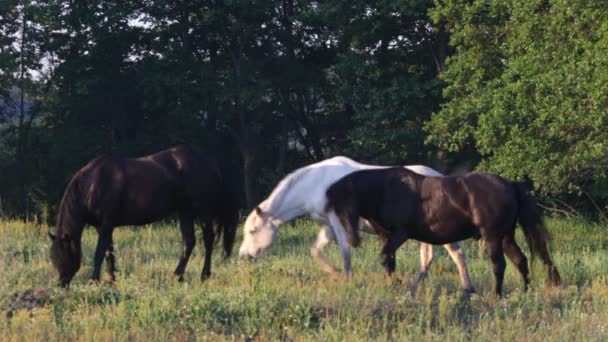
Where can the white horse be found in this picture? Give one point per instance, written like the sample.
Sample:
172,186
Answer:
303,192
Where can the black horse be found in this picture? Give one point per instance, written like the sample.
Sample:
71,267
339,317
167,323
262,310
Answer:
439,210
111,191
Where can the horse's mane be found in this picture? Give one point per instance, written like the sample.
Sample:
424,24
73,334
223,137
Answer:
69,205
279,192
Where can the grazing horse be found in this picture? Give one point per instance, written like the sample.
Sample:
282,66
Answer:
441,210
303,192
111,191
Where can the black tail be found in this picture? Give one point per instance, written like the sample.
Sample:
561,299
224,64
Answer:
535,232
341,199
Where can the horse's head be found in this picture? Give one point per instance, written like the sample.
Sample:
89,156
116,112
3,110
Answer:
259,232
65,256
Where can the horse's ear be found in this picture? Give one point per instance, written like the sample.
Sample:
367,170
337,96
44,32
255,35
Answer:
259,211
52,237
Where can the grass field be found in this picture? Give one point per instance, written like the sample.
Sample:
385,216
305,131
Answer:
285,296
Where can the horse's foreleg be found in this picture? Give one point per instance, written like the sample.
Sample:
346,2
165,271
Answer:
103,241
186,225
208,240
110,259
341,238
390,247
426,257
457,254
324,237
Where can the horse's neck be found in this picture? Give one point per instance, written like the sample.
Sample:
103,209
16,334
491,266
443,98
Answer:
286,201
72,226
284,209
70,220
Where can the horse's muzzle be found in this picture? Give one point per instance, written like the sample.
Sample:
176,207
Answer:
247,257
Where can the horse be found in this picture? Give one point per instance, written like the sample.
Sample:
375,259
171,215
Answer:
303,192
110,191
441,210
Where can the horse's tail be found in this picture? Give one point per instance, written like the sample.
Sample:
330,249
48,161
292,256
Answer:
340,199
535,231
227,217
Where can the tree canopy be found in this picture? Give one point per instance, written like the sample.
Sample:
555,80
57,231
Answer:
528,87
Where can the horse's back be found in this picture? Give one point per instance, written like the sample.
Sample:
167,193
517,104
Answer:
424,170
142,190
309,184
184,159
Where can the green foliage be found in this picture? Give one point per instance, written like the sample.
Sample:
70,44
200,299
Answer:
527,86
284,296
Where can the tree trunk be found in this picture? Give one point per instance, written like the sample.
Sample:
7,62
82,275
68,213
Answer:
440,47
283,141
247,177
242,135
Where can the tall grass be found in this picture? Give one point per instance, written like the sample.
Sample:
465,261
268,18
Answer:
284,296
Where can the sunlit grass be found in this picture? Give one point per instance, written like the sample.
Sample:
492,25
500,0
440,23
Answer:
285,296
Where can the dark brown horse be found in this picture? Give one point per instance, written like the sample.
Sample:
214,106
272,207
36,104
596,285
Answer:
111,191
439,210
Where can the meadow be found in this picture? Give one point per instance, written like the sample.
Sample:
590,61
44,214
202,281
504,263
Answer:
284,295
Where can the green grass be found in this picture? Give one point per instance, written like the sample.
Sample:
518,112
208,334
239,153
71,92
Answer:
285,296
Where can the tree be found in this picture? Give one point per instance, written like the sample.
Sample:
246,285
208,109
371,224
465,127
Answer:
527,87
22,35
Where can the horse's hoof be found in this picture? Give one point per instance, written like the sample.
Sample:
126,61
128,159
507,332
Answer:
466,293
333,275
205,276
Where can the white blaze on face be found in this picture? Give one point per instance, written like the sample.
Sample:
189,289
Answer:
258,234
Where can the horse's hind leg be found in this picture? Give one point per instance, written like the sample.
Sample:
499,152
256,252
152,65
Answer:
208,240
457,254
186,225
498,262
342,239
324,237
518,258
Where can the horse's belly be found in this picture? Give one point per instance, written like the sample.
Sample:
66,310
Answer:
144,212
442,234
138,218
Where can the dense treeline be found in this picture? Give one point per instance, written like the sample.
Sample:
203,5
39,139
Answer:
267,86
